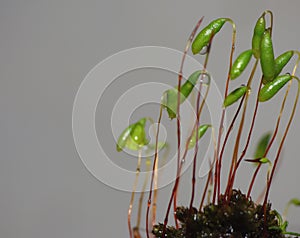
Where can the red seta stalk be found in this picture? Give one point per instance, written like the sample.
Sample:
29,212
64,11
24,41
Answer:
189,42
217,171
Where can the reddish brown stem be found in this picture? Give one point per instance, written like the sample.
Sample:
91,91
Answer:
277,124
253,180
227,136
206,185
269,183
217,172
270,143
240,131
199,110
178,100
175,188
153,172
247,142
281,146
189,42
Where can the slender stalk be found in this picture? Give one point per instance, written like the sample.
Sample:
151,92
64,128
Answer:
138,168
197,123
248,139
178,129
153,171
253,119
277,125
185,152
206,186
270,143
137,227
227,136
271,19
263,192
217,173
210,174
155,190
175,187
209,192
188,44
154,204
281,145
278,155
240,131
195,153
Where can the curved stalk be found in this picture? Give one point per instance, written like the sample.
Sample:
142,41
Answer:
175,187
189,42
197,123
281,144
271,19
277,125
223,111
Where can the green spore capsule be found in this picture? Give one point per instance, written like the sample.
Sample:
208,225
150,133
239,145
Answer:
240,64
267,60
170,97
123,138
133,137
188,86
137,137
271,88
259,30
235,95
201,131
204,36
280,62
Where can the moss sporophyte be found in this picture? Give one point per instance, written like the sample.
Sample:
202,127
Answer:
222,211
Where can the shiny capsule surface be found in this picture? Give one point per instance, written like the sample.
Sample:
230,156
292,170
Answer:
235,95
204,36
240,64
259,30
267,60
271,88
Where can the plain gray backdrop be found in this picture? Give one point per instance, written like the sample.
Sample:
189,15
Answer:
46,50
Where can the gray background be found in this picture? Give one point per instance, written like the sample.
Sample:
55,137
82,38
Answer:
46,49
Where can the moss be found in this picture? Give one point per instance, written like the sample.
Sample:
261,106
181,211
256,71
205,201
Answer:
239,217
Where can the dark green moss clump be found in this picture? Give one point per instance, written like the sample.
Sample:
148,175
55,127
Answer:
238,217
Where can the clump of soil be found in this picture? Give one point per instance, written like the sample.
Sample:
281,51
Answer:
237,217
